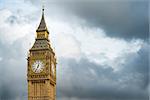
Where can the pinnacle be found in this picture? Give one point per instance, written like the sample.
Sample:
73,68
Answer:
42,26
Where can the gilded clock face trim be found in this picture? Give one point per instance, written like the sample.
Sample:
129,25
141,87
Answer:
37,66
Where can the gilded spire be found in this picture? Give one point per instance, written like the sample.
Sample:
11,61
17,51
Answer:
42,26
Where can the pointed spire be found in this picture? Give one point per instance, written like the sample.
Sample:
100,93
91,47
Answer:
42,26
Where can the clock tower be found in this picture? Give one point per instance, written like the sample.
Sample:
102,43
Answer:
41,66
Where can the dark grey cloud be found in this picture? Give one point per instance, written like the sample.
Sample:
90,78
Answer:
12,20
123,19
85,80
140,64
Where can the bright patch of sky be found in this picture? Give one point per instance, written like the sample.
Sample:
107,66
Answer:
1,58
18,7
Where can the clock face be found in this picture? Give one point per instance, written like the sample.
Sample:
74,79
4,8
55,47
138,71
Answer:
37,66
53,69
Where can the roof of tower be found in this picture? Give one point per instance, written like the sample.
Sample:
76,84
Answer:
42,26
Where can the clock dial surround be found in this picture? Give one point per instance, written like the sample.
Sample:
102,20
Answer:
38,66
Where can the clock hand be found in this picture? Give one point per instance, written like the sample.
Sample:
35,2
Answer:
37,68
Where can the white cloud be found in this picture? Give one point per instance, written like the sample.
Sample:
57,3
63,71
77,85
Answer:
62,39
68,46
11,31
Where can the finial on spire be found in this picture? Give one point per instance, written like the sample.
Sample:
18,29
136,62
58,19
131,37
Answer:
43,6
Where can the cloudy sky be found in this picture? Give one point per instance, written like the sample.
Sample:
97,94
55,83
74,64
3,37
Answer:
101,47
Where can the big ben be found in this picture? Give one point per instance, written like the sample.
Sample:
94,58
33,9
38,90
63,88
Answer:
41,67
